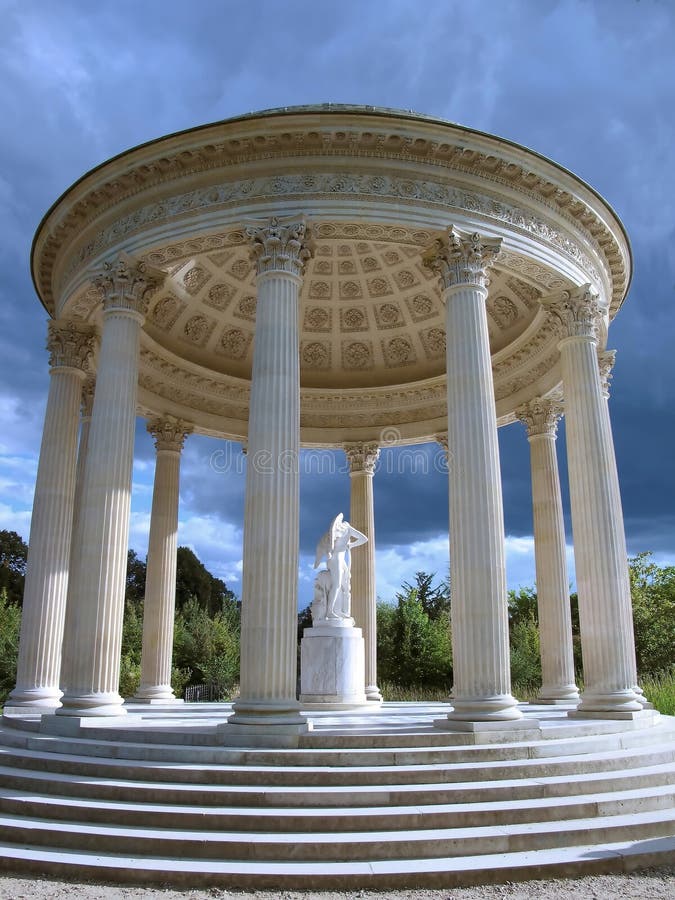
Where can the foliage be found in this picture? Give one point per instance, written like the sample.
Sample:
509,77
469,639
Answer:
435,600
10,626
13,557
208,646
135,584
193,580
525,656
413,648
653,594
660,690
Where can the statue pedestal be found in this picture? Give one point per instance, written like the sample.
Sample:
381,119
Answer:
332,666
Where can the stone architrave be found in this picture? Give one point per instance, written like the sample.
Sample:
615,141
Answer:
605,616
362,459
482,680
280,249
540,417
93,634
37,683
160,585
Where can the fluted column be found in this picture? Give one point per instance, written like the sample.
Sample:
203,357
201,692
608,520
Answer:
90,676
44,600
268,674
606,360
160,583
480,637
605,616
362,459
540,417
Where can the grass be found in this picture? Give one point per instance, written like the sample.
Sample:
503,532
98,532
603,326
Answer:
659,690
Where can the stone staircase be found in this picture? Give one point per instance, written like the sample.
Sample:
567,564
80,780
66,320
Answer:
369,801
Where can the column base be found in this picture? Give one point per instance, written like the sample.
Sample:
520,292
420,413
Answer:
373,694
264,714
154,702
39,699
151,693
94,704
608,705
264,725
568,693
498,708
642,699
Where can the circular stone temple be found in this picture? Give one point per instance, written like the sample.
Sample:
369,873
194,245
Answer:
326,277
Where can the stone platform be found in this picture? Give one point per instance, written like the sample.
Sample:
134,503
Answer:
369,799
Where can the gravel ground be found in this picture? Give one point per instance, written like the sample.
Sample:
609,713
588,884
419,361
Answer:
648,884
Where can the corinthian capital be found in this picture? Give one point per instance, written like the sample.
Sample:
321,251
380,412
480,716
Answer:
606,360
362,457
126,285
462,258
540,416
70,345
280,245
579,311
169,433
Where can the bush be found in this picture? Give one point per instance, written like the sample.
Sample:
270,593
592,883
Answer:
525,655
413,649
10,626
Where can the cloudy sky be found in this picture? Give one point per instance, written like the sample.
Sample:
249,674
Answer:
590,83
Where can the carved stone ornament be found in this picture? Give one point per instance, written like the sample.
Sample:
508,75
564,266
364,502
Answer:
362,457
280,245
70,346
169,433
606,360
442,439
126,285
540,416
462,258
579,311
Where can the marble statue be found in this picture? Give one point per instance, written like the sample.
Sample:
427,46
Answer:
332,587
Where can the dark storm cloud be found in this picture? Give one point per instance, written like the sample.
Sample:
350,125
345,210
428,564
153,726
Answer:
590,84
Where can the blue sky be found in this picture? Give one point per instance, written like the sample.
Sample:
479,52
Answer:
590,83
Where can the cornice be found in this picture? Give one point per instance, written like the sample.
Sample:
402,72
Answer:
338,132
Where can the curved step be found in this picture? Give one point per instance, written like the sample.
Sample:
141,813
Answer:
406,811
423,843
378,875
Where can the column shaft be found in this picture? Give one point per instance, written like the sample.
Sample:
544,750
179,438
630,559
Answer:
44,602
93,636
362,459
481,663
271,517
553,601
599,541
160,584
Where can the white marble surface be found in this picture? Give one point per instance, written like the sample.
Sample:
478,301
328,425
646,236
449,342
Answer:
332,667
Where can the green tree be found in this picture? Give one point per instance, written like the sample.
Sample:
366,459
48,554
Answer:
208,646
193,580
10,626
413,649
653,595
13,557
136,572
435,599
